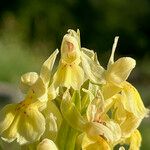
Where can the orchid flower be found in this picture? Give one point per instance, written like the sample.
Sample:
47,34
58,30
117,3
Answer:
76,64
24,121
98,127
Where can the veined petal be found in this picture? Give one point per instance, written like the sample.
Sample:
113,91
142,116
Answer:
7,115
11,133
129,125
110,90
96,107
128,121
91,54
38,91
120,70
92,69
27,80
135,140
47,67
33,126
53,120
69,75
93,144
110,130
132,101
77,77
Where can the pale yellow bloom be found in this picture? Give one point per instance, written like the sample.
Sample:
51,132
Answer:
129,109
102,125
76,64
24,121
53,120
117,72
98,126
21,122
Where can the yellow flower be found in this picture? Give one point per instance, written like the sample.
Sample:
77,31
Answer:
24,121
98,127
129,109
135,140
105,129
76,64
117,72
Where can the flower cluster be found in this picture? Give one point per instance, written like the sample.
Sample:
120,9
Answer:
78,105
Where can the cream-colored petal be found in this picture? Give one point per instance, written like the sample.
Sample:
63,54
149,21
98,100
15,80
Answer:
69,75
94,144
92,69
52,108
110,130
62,76
129,125
53,120
77,77
31,126
132,101
52,92
38,91
47,144
27,80
111,60
51,127
96,107
127,120
46,70
7,115
121,148
110,90
135,140
120,70
11,133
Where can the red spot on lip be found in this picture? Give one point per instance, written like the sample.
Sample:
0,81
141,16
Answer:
70,46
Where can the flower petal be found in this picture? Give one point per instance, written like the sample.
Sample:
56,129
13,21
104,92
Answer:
47,144
27,80
11,133
111,60
110,130
92,69
110,90
47,67
128,121
120,70
135,140
33,126
93,144
7,115
69,75
132,101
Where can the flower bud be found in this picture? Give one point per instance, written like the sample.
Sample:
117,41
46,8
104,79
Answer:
47,144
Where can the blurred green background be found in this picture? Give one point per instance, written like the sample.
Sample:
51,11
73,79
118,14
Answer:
31,30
